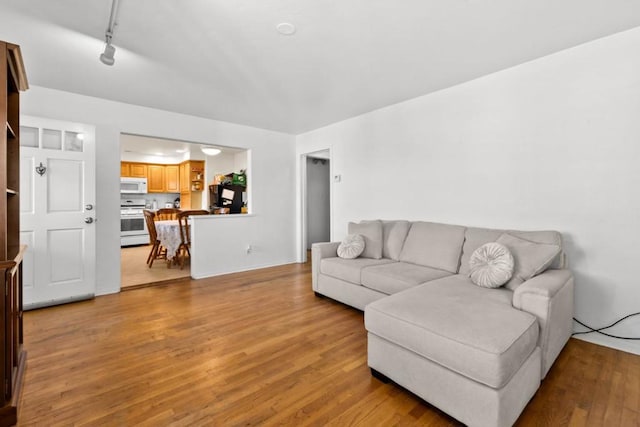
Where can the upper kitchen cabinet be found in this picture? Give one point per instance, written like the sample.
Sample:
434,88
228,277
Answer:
156,179
185,173
160,178
133,170
138,170
191,184
172,178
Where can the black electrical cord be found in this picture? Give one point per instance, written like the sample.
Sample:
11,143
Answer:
599,330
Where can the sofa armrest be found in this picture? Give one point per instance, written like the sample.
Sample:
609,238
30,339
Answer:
549,297
319,251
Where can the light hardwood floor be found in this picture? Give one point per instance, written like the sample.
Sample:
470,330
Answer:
258,348
135,272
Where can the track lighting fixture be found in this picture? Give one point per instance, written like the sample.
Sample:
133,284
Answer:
107,57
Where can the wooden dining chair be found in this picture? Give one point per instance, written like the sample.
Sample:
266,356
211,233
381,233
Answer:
185,236
165,214
157,252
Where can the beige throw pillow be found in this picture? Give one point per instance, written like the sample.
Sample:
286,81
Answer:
351,247
530,258
371,231
491,265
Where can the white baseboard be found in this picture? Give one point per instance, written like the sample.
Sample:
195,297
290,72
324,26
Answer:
629,346
240,270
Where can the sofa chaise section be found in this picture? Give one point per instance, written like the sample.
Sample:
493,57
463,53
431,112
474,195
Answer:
450,325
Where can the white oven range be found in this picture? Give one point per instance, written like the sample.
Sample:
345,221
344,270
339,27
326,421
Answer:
133,227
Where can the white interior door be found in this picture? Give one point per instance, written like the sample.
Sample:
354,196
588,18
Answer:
57,211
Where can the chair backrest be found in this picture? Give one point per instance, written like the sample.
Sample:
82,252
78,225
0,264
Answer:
151,225
165,214
183,217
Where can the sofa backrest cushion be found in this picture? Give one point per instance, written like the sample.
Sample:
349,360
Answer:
371,231
476,237
394,234
434,245
531,258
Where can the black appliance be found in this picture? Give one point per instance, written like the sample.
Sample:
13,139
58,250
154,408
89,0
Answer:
227,196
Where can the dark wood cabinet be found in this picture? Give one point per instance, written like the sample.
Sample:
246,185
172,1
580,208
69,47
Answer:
12,355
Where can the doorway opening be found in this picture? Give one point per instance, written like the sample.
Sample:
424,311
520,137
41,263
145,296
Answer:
316,200
171,175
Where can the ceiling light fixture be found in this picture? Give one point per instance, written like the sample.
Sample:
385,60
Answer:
107,57
286,28
210,151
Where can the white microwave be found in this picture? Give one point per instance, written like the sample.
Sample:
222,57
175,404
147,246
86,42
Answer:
133,185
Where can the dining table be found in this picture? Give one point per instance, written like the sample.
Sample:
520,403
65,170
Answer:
168,232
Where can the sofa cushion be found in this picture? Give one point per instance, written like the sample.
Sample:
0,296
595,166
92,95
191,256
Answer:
434,245
471,330
476,237
348,269
394,234
371,231
530,258
351,246
491,265
398,276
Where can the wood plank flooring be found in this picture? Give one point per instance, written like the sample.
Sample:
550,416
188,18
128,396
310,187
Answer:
258,348
135,272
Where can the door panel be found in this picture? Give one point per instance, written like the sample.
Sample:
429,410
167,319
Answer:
65,255
27,196
59,264
65,180
26,238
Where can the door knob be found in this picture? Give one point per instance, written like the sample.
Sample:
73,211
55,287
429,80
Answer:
89,207
88,220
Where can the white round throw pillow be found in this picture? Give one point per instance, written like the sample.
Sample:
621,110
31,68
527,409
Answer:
351,247
491,265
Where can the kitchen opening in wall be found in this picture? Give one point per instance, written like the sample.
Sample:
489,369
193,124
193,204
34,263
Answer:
162,178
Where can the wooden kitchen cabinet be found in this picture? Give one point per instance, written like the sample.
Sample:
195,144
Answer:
184,177
172,178
156,178
191,184
133,170
185,201
196,175
138,170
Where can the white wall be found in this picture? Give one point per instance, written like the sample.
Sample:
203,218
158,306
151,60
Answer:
112,118
551,144
147,158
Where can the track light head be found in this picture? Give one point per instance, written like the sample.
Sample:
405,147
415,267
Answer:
107,57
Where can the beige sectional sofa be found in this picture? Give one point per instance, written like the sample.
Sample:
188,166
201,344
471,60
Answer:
476,353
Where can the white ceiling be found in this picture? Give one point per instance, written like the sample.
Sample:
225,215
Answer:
223,59
160,147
